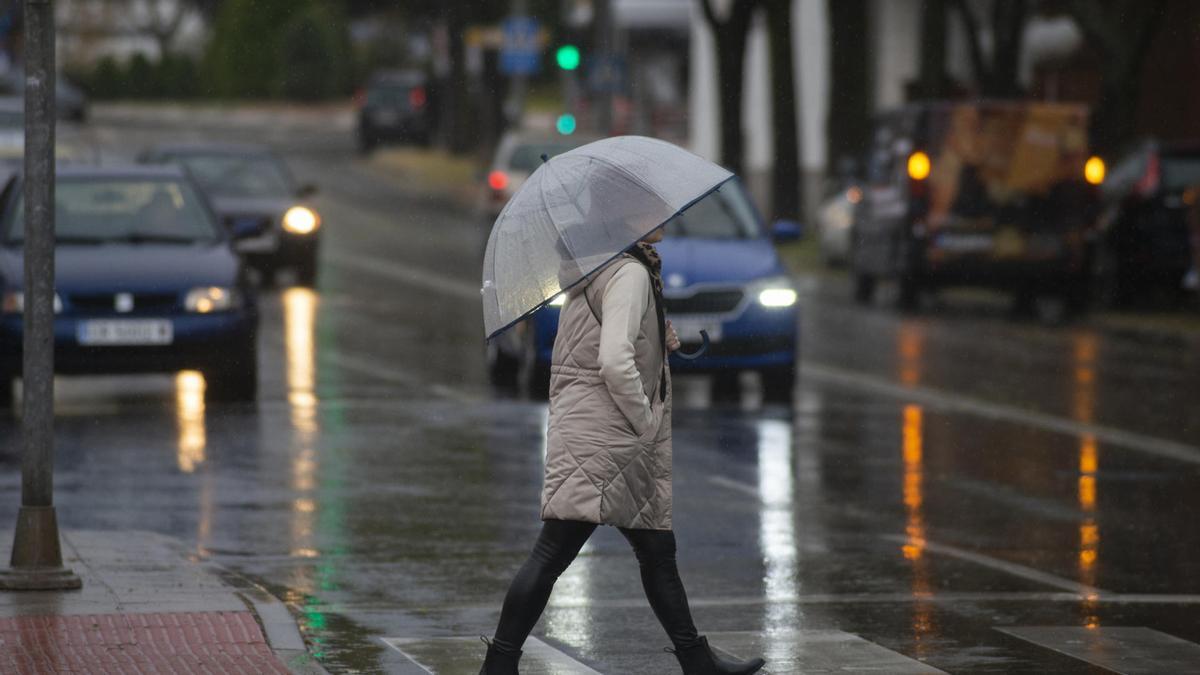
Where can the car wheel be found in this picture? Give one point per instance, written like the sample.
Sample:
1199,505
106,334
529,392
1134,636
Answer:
6,391
306,271
725,387
779,384
864,288
534,373
233,384
909,298
503,369
366,144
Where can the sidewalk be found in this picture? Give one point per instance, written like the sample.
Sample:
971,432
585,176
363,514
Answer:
146,608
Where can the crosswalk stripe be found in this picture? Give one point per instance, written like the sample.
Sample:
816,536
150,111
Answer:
1127,650
818,651
455,655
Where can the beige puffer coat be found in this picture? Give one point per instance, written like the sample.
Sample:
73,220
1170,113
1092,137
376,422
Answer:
598,468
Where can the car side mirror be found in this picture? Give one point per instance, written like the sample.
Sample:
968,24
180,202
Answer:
783,231
307,190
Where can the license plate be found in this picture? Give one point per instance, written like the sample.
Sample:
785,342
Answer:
386,117
688,330
125,332
964,243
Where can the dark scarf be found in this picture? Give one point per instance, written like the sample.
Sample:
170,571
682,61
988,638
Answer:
645,254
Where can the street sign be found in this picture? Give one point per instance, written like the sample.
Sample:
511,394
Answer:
606,74
521,53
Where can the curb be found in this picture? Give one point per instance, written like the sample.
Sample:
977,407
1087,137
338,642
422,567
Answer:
278,624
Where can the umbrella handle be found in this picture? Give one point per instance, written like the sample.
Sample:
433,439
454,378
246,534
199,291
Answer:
699,352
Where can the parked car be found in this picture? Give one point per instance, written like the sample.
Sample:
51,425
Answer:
146,281
721,274
70,144
1145,229
835,222
259,202
70,102
395,107
518,154
993,194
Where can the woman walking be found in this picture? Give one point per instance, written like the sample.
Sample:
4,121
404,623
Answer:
608,457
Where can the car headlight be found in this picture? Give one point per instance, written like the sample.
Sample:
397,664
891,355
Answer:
212,299
301,220
14,303
776,292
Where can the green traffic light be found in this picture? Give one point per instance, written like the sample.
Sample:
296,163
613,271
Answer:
568,57
566,124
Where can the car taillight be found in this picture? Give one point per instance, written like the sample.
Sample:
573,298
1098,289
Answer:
416,97
1147,185
497,180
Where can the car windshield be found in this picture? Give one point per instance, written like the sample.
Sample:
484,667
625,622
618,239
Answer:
133,210
724,214
389,95
527,157
1180,172
228,175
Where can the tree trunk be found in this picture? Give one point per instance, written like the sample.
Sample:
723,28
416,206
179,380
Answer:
931,78
729,37
849,123
786,190
1008,29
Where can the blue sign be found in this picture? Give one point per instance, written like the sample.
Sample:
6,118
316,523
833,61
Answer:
521,53
606,74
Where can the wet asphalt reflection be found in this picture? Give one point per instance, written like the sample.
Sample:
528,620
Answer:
938,477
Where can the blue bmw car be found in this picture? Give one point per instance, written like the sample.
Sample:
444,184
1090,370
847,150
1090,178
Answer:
146,281
721,274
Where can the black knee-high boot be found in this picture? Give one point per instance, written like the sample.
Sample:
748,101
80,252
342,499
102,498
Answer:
500,661
700,659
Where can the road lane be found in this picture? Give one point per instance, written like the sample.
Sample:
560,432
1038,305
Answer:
382,490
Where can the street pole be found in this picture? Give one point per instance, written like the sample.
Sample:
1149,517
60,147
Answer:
518,83
603,47
37,555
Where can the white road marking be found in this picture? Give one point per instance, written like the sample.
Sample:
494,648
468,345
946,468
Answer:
1122,649
372,368
1012,569
1009,568
1147,445
422,278
455,655
818,651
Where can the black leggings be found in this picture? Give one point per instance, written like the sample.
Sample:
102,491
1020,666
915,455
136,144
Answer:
558,545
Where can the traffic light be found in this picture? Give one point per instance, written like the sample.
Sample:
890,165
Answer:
568,57
565,124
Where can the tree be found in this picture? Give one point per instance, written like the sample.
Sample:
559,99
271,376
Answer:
243,57
730,36
849,123
1120,31
786,195
997,76
931,73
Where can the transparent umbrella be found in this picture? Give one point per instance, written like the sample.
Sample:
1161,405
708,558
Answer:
580,210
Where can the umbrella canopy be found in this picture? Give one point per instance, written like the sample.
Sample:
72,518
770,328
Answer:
580,210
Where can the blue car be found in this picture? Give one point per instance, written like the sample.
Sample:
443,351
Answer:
146,281
721,274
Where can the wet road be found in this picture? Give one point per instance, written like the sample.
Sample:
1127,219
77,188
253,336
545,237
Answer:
952,492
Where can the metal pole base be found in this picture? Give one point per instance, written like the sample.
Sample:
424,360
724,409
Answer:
36,555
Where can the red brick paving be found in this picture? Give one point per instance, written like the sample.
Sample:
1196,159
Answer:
194,643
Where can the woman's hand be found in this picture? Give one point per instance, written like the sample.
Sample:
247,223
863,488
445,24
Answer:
672,338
